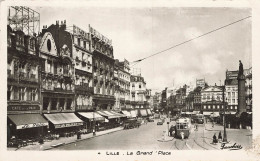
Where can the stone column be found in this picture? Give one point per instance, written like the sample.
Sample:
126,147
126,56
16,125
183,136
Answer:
65,104
58,104
49,105
241,94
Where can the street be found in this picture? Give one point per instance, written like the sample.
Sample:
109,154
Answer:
147,135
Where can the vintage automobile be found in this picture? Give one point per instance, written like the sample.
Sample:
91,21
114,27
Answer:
160,122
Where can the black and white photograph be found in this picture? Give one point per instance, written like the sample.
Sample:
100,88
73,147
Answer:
128,80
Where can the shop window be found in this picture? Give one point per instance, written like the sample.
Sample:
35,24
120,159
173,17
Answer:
53,103
45,103
33,95
69,102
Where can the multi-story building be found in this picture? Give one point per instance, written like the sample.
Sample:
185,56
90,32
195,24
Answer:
124,84
23,85
57,74
212,100
82,58
189,101
138,95
156,101
197,98
103,70
180,98
248,74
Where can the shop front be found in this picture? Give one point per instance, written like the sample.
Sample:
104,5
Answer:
25,126
91,119
64,124
114,119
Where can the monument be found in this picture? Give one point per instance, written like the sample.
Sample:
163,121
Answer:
241,90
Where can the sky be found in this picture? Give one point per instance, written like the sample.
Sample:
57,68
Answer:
140,32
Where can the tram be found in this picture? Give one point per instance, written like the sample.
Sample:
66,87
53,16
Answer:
199,118
182,128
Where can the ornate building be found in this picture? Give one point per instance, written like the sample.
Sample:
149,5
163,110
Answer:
212,100
82,57
103,70
122,90
58,77
23,85
57,70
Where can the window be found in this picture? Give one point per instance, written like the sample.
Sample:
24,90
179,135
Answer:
140,86
78,41
218,106
21,94
233,94
84,43
33,95
45,103
9,93
204,106
233,100
29,93
32,44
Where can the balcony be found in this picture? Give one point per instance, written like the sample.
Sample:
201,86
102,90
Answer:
85,89
61,90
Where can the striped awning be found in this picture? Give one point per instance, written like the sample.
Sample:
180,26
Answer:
110,114
92,115
128,114
61,120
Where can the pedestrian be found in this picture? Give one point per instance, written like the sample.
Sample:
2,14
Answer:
219,136
215,139
212,123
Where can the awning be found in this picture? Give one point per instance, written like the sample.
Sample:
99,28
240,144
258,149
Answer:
118,114
228,112
61,120
207,113
133,113
128,114
143,112
110,114
214,114
91,115
149,112
188,113
195,112
25,121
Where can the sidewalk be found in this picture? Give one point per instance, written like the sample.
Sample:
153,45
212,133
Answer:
63,141
241,137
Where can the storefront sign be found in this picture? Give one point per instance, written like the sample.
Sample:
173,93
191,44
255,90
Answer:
99,36
80,32
69,124
231,74
27,126
23,108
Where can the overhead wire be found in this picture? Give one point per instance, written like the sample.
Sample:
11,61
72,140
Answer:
184,42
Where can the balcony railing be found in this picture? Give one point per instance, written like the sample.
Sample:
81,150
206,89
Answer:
61,90
84,88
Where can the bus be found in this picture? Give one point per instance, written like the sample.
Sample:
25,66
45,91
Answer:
198,118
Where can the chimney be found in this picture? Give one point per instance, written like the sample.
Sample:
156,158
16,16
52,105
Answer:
44,29
63,25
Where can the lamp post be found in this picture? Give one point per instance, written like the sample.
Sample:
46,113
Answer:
224,121
94,120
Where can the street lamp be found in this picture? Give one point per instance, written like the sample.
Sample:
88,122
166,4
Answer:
224,121
94,121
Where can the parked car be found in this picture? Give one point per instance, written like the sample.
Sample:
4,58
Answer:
150,119
160,122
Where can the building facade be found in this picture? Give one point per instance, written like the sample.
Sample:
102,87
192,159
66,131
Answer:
103,70
212,100
57,70
82,57
23,85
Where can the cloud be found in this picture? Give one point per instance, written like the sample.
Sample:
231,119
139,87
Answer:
210,64
193,32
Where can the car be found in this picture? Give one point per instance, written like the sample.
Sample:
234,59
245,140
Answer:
150,120
160,122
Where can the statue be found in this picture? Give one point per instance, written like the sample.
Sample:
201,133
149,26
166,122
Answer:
241,69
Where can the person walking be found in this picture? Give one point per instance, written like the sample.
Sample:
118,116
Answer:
215,139
219,136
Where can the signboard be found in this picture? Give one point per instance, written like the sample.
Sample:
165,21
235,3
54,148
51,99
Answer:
99,36
200,82
231,74
80,32
68,124
23,108
27,126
